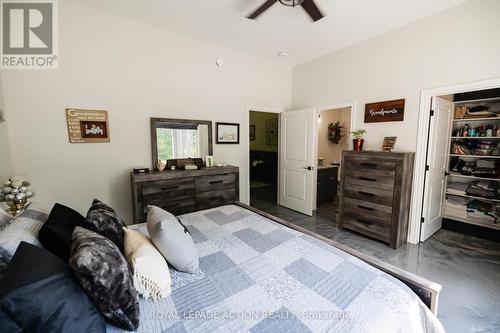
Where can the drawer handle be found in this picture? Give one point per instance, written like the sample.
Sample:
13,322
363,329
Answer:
365,208
364,222
170,188
368,179
216,182
368,164
367,193
220,197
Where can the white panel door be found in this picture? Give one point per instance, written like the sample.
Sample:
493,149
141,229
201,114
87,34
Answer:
437,159
297,160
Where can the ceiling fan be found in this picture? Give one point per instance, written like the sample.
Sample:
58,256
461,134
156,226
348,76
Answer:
308,5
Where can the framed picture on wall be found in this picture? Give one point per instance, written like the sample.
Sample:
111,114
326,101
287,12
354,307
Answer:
87,126
227,133
252,133
272,132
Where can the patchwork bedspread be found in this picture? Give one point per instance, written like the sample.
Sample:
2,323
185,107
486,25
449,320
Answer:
257,275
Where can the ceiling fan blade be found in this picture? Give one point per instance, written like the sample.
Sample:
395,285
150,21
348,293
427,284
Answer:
313,10
261,9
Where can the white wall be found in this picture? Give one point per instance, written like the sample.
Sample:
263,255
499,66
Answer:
135,72
454,46
5,158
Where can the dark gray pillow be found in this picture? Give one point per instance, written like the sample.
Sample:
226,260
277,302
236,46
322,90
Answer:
39,294
105,221
103,273
173,240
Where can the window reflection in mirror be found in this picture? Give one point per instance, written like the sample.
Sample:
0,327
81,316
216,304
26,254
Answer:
182,141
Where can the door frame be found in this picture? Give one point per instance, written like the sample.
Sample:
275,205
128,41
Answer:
246,141
421,151
353,106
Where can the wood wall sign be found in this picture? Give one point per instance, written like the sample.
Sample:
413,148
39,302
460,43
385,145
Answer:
86,126
385,111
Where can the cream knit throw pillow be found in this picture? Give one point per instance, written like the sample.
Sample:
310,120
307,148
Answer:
150,270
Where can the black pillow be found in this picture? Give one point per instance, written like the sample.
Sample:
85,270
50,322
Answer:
103,219
38,293
55,235
103,273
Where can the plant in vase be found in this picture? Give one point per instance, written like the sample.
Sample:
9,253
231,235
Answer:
357,142
335,132
16,193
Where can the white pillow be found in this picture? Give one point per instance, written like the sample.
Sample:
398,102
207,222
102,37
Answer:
149,269
172,240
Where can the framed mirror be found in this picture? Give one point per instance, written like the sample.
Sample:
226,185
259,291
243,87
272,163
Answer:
178,139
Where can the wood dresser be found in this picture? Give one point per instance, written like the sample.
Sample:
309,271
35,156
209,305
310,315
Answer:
375,194
184,191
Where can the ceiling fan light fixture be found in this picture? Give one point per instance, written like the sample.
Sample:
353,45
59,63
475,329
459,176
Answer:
291,3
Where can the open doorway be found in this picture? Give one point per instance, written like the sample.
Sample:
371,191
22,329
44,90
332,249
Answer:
333,137
462,170
264,147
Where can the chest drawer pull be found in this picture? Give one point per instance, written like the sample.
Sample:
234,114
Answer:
364,221
368,164
216,182
368,179
168,188
367,193
365,208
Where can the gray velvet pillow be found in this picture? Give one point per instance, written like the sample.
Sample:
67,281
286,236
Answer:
173,240
103,273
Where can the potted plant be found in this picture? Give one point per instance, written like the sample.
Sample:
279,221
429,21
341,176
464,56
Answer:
358,140
335,132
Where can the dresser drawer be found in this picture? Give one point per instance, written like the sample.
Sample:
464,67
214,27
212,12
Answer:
366,224
215,182
211,199
375,195
371,165
383,182
367,207
169,188
176,206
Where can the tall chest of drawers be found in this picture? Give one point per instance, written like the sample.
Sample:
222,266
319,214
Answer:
376,193
184,191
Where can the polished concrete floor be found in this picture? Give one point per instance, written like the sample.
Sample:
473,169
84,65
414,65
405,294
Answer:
467,267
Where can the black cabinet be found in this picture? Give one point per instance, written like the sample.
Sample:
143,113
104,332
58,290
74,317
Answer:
327,184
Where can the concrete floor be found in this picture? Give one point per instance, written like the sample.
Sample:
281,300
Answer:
467,267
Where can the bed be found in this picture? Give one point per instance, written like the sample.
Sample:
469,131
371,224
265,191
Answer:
261,274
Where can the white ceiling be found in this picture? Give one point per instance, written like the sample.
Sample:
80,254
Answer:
281,28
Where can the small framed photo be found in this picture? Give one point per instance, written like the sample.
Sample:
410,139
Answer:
227,133
94,129
252,133
389,143
209,161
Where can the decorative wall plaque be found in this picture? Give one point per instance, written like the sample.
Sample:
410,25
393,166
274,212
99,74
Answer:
385,111
86,126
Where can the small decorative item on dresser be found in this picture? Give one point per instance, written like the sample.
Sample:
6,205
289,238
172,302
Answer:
227,133
209,161
16,193
140,170
389,143
160,165
357,142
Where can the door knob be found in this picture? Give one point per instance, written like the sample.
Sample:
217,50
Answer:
308,168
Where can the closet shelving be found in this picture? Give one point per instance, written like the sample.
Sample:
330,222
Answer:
469,178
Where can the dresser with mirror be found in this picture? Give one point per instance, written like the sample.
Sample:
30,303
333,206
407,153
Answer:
177,189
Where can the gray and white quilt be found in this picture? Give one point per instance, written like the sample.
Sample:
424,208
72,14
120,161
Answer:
259,276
